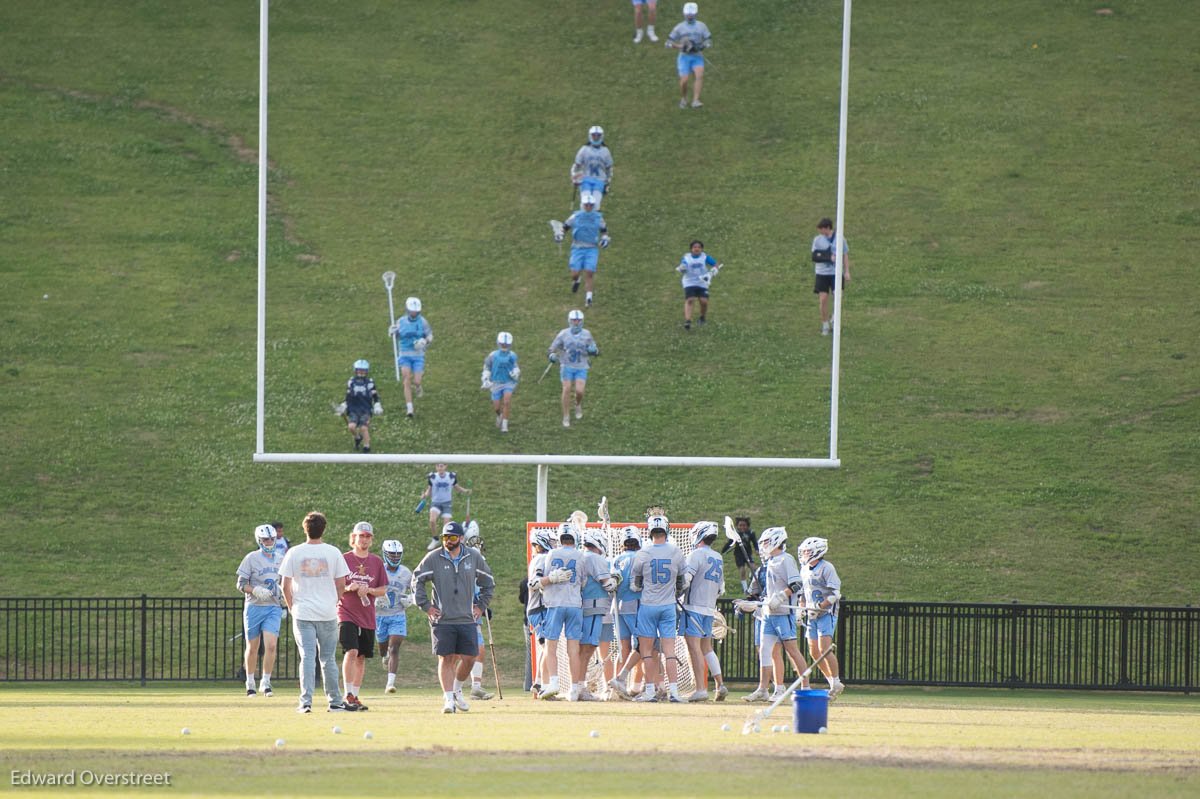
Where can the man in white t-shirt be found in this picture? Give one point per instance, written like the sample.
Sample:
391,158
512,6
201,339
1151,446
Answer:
314,576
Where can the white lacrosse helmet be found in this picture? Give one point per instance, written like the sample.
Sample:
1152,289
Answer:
690,10
362,365
703,530
412,305
504,339
573,316
631,533
593,131
264,537
772,539
393,552
658,523
564,529
812,549
593,538
541,537
587,198
473,539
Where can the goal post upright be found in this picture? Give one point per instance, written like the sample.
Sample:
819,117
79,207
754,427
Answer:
839,234
260,400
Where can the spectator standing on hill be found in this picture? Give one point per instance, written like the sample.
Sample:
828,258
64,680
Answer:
698,270
652,11
691,38
826,269
441,488
356,609
314,576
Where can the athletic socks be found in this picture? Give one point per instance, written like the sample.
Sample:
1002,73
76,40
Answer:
458,684
449,695
714,665
249,682
391,682
408,408
554,684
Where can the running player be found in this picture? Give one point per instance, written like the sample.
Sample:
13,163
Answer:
413,335
704,581
592,170
690,37
589,235
361,401
573,348
698,270
500,376
391,623
441,488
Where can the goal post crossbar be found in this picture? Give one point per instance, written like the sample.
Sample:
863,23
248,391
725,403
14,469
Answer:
546,460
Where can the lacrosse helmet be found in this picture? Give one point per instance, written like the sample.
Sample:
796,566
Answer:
594,132
264,537
690,10
412,305
812,549
393,551
658,523
575,318
772,539
587,198
472,537
503,339
361,366
541,537
702,531
631,533
565,531
594,539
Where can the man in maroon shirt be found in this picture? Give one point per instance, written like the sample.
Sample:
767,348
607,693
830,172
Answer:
356,609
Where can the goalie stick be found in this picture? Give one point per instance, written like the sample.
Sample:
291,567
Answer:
761,715
389,280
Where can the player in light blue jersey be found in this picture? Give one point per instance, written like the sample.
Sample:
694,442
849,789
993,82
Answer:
258,579
281,544
779,617
500,375
704,582
597,602
592,169
572,349
413,335
820,597
825,267
691,38
652,7
658,573
698,270
541,542
391,623
627,601
589,235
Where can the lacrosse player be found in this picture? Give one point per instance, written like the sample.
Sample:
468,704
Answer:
535,606
281,542
589,235
743,552
779,619
592,170
753,606
453,609
826,270
703,582
500,376
627,610
652,6
356,608
698,270
658,574
391,623
361,401
441,488
691,38
413,334
258,579
822,592
566,570
597,602
572,349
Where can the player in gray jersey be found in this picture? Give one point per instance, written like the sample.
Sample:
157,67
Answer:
822,591
690,38
573,349
658,573
597,602
779,620
627,602
535,605
391,623
592,170
565,571
258,579
704,581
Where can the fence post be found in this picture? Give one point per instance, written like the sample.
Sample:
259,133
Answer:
143,626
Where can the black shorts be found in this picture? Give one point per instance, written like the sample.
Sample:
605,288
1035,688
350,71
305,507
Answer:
739,556
360,419
455,639
695,291
825,284
351,636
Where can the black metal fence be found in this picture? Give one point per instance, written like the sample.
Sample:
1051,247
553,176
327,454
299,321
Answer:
881,643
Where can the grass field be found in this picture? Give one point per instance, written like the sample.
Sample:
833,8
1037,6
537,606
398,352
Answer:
880,743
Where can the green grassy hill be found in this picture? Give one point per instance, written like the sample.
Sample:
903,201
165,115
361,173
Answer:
1020,396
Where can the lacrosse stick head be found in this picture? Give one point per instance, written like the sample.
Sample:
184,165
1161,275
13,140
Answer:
656,510
389,279
602,510
731,532
578,523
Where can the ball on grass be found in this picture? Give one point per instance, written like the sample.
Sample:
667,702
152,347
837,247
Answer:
368,735
774,728
724,728
785,728
337,730
594,733
45,296
823,730
279,742
185,731
757,728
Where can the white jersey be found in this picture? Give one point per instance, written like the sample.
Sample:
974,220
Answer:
399,584
593,163
573,348
441,487
566,594
708,581
693,31
694,269
782,572
656,569
257,570
596,601
821,582
535,602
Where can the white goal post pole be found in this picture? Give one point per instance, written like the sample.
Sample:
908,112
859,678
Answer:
839,235
547,460
543,485
262,225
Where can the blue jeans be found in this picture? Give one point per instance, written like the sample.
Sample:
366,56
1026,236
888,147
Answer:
313,639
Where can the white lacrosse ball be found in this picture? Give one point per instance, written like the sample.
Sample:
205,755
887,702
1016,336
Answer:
337,730
823,730
724,728
757,728
279,742
785,728
368,735
594,733
45,296
185,731
774,728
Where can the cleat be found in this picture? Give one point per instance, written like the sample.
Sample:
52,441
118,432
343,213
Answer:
702,321
460,703
646,698
687,324
824,328
683,103
758,695
586,696
409,414
587,303
566,420
549,694
637,37
722,692
699,696
448,707
420,391
391,689
535,689
578,411
498,420
674,699
303,708
575,286
697,104
353,700
835,691
366,450
779,694
477,692
432,545
266,690
341,707
251,692
617,685
650,33
357,443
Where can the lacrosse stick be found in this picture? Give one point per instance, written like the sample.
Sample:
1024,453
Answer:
549,366
389,280
578,522
602,514
557,227
761,715
492,651
467,520
720,627
733,535
706,61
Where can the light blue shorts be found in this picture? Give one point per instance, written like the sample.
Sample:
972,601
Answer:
387,626
479,624
697,624
821,626
782,627
757,625
593,629
644,2
536,621
584,259
592,185
415,363
686,62
656,621
627,627
568,373
563,622
505,388
259,619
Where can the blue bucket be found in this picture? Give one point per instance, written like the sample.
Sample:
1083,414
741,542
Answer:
810,710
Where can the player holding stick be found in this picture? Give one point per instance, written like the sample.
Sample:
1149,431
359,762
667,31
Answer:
704,581
820,597
535,607
779,620
258,579
391,623
627,601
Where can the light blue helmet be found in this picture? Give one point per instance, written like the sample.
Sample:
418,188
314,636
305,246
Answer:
541,537
361,366
596,136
